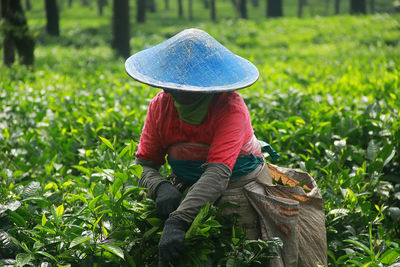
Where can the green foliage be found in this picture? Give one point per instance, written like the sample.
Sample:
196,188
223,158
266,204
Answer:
327,100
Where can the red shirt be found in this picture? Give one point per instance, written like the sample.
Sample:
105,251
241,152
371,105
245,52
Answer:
226,129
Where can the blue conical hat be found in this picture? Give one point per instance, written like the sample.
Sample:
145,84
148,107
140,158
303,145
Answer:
191,61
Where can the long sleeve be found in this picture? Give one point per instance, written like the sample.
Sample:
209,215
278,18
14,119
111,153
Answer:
150,178
207,189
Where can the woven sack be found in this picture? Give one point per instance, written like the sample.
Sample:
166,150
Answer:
293,211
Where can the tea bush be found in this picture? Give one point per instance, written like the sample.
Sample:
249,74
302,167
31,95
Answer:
327,100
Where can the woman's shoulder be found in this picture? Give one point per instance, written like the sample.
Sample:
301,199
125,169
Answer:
230,101
160,101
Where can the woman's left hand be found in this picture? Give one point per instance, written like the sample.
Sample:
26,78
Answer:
171,245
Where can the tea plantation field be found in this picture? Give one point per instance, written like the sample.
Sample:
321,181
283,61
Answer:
327,100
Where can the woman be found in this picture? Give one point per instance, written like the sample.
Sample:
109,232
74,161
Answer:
204,128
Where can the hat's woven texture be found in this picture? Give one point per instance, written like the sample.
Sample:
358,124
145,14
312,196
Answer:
191,61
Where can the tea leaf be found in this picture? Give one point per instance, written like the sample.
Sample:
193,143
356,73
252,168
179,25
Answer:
113,249
107,142
23,259
390,256
60,210
44,219
79,240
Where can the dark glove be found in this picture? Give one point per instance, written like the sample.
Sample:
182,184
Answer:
171,241
168,199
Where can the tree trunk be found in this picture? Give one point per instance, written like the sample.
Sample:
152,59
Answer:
300,8
101,4
236,7
213,10
166,4
140,11
190,9
69,3
358,6
85,2
16,34
180,9
28,5
121,29
151,6
372,6
243,9
8,42
52,24
255,3
327,4
274,8
337,7
206,3
8,51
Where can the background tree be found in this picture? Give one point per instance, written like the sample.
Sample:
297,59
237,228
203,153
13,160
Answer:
190,10
151,5
337,7
121,29
213,10
28,5
16,33
69,3
140,11
180,9
53,18
372,6
358,6
166,4
300,8
101,4
274,8
255,3
236,7
85,2
243,8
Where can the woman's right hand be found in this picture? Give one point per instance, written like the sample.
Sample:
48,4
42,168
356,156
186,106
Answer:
167,199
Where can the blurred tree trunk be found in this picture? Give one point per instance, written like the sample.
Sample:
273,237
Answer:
327,4
85,2
101,4
190,9
180,9
358,7
300,8
372,6
16,33
337,7
243,8
213,10
8,42
53,18
121,29
206,4
28,5
69,3
236,7
255,3
140,11
166,4
151,6
274,8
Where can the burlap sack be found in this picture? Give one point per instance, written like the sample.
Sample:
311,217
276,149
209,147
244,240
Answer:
293,212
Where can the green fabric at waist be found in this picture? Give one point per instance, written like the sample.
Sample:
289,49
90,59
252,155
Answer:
191,170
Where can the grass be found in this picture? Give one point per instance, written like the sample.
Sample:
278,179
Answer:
327,100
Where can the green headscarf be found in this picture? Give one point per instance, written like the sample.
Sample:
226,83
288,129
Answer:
195,112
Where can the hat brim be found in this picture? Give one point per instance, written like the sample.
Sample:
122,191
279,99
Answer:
191,61
135,74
